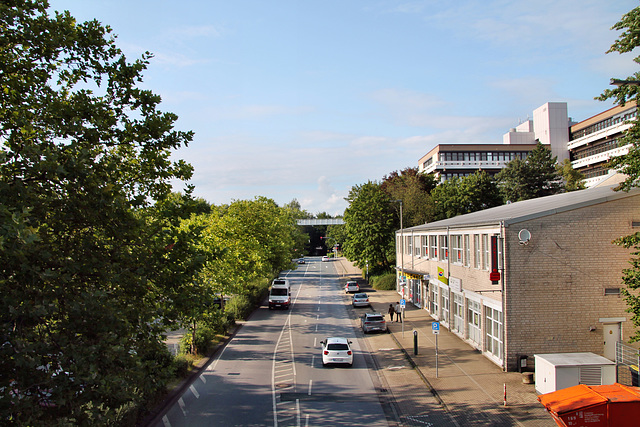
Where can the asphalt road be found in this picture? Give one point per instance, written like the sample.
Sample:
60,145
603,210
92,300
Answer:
271,373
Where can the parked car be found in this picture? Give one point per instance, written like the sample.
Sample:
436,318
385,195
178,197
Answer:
325,258
351,286
373,322
301,260
361,300
336,350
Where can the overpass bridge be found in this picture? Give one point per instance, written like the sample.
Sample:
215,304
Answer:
327,221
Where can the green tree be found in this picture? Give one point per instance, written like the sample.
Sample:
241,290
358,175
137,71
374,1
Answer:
458,196
414,189
84,152
535,176
573,179
369,227
629,164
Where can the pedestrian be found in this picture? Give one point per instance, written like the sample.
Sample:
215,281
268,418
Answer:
391,311
398,313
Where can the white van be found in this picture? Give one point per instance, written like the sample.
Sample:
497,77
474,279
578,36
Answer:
280,294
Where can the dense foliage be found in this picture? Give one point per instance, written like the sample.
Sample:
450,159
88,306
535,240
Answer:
98,256
629,164
535,176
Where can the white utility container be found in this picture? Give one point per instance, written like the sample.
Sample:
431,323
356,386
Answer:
561,370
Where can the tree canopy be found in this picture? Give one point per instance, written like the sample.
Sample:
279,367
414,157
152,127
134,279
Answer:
535,176
84,152
458,196
369,227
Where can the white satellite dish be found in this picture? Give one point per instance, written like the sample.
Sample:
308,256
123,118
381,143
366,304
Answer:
524,236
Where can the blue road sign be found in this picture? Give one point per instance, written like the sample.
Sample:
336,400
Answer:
403,303
435,327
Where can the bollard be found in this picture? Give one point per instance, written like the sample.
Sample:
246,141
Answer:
415,343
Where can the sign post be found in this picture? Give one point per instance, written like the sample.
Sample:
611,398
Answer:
435,328
403,304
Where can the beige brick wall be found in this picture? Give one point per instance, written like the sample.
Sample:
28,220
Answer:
555,284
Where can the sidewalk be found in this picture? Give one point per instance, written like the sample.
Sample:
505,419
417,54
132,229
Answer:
467,389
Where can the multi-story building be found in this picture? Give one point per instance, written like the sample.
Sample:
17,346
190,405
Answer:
589,144
531,277
594,141
550,126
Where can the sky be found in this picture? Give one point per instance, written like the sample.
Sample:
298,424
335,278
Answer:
304,99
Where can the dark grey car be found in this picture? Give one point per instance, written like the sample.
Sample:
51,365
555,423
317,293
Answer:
373,322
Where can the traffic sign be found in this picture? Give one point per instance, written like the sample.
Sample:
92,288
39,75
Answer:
435,327
403,303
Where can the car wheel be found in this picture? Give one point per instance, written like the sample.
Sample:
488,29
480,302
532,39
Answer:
350,364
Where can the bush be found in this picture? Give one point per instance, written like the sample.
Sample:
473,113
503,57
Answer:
182,364
239,307
385,282
203,339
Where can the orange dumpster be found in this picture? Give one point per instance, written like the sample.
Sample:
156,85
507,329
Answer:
594,406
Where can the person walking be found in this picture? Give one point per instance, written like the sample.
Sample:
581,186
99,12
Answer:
398,312
391,311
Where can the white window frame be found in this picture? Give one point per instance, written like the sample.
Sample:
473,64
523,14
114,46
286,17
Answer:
474,321
456,249
433,247
467,251
444,247
493,331
458,312
425,246
477,252
486,252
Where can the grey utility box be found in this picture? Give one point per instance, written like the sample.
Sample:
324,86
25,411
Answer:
561,370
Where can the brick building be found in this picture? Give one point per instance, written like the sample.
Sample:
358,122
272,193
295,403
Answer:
559,274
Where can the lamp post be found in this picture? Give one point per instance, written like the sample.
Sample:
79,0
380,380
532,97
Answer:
401,244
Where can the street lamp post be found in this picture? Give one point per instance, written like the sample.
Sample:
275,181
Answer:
401,245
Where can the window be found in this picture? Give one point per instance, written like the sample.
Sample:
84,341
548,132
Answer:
456,249
416,246
433,242
458,312
409,245
486,252
467,251
444,248
444,301
433,299
425,246
478,252
474,316
493,325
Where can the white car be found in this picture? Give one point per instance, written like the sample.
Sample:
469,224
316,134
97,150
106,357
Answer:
336,350
325,258
351,287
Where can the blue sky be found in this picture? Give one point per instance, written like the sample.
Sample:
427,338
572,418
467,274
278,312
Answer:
305,99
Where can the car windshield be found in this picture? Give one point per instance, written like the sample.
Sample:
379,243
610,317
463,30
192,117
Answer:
279,292
337,346
279,282
360,296
374,318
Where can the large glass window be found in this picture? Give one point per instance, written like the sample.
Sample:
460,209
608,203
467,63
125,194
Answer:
474,317
493,325
477,252
433,299
458,312
444,303
416,246
409,245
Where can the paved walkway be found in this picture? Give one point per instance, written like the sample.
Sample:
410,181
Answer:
467,388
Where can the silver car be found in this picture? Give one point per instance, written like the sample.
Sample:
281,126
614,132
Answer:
373,322
360,300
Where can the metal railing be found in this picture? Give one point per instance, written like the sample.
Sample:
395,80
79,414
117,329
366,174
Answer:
627,361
